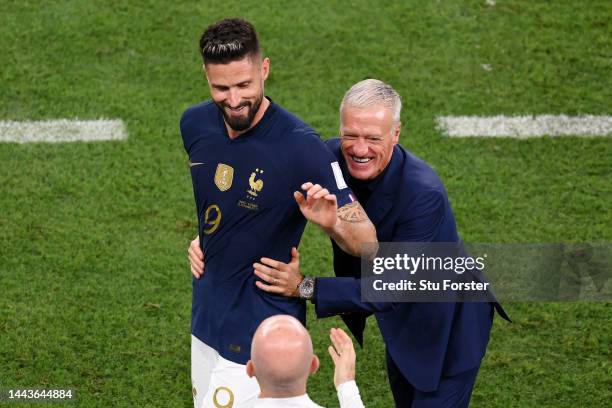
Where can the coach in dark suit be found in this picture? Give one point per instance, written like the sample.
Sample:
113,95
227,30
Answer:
434,350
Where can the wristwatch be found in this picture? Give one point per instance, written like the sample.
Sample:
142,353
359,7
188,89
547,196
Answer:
306,288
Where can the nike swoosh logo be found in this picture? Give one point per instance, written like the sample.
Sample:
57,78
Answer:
191,164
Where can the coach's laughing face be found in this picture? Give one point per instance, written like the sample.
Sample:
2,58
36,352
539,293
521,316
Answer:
367,137
238,89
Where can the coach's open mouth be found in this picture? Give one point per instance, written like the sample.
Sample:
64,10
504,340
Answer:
361,160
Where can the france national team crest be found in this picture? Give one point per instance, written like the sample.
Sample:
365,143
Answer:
255,183
224,176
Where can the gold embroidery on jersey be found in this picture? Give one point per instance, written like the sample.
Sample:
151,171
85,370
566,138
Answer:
230,402
224,176
247,205
256,185
212,219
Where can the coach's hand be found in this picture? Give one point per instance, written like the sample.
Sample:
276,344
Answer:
343,354
196,258
319,207
281,278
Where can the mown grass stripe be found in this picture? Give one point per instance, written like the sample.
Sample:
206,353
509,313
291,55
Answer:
62,130
522,127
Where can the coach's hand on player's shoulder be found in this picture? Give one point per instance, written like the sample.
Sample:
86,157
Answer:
343,354
196,258
279,277
319,206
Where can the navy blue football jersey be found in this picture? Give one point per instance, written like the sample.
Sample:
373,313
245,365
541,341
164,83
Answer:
245,207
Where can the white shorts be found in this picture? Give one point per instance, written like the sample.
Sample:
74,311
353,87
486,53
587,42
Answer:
217,382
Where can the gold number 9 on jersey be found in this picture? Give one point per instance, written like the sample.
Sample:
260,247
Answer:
212,219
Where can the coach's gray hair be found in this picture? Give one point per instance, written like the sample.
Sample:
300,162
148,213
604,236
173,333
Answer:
372,92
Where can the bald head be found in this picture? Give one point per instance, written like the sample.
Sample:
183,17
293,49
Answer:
282,357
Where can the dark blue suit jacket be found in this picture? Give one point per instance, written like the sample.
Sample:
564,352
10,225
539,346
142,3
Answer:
425,340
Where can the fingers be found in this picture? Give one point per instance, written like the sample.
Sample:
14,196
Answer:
334,339
195,261
273,276
299,198
315,191
341,341
196,258
321,194
341,334
268,288
295,255
343,355
331,198
195,247
333,354
265,277
275,272
272,263
195,273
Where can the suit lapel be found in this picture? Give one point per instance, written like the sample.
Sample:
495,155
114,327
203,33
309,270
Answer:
382,199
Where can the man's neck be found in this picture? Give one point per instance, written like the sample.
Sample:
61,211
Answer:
298,392
265,104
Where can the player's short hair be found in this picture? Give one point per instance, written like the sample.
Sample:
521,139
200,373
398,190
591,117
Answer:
229,40
372,92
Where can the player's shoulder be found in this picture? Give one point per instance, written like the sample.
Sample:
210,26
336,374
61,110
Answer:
333,144
197,120
201,111
295,127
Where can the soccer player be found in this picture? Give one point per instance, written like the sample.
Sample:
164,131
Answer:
248,159
433,350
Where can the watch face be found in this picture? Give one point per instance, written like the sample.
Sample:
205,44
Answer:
307,288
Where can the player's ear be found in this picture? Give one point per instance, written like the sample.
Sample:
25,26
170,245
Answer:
205,72
250,369
314,364
265,68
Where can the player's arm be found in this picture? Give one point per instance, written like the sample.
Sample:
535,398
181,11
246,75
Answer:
349,225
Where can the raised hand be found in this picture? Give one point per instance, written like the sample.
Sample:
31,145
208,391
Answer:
343,354
319,206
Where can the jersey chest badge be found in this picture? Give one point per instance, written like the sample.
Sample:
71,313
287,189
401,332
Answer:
224,176
255,182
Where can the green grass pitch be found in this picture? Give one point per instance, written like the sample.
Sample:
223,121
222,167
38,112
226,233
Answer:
94,287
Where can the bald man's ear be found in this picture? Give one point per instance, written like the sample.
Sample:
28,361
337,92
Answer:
314,364
250,369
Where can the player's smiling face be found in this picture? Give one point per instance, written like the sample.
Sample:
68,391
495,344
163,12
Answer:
238,90
367,137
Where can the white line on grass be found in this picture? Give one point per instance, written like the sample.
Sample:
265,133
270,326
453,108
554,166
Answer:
62,130
522,127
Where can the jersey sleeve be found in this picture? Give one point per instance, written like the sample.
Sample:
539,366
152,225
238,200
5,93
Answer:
315,163
186,125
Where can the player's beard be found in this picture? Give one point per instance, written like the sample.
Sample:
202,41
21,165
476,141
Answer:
241,123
